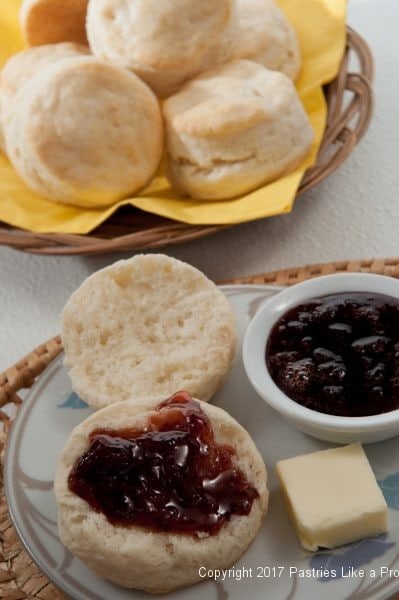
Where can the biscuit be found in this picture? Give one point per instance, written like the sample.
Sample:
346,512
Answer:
148,325
85,132
166,42
155,561
233,129
2,138
21,67
49,21
265,36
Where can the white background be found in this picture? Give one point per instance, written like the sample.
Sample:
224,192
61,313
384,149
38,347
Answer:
353,214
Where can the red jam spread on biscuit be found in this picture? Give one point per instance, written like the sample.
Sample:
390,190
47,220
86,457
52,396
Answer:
172,476
339,354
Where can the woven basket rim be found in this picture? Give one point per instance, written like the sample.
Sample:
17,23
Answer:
132,229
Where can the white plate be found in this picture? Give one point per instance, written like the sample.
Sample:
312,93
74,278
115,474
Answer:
276,567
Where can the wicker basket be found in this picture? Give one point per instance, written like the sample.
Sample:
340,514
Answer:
350,104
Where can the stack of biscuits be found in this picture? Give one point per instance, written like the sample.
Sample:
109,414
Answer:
106,86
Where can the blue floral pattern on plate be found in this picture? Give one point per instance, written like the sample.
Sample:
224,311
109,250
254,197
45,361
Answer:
352,556
390,488
73,401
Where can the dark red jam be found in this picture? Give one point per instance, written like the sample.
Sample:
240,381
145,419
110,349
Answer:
171,476
339,354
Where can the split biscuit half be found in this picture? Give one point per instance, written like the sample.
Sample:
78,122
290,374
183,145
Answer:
156,561
145,326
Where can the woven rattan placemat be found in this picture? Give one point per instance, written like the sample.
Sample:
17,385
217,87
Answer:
19,576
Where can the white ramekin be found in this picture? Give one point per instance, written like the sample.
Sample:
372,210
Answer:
323,426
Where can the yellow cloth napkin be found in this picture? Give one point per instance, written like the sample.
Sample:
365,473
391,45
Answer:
320,25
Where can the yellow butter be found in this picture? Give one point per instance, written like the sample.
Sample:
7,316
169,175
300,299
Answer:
332,497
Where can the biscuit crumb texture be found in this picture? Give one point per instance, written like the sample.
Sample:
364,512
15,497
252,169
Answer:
135,557
148,325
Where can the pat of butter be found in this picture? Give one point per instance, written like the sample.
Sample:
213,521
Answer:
332,497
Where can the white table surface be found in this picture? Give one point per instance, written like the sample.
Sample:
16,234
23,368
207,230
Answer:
353,214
